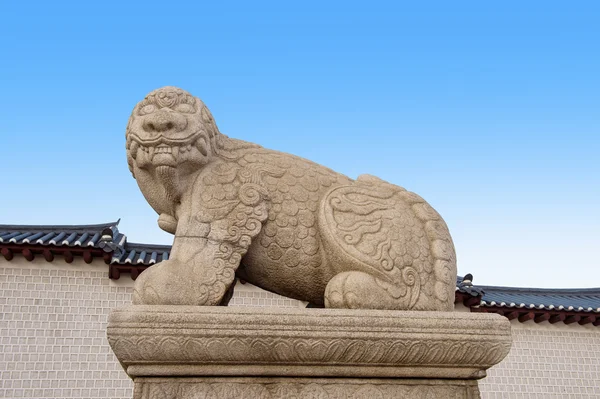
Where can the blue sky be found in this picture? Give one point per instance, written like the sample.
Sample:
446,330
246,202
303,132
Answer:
489,111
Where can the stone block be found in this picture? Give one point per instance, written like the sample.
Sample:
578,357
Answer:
223,352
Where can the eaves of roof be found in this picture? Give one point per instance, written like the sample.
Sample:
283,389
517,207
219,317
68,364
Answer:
88,241
581,305
135,258
577,300
83,236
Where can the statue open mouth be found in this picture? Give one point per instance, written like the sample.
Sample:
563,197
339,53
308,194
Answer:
169,151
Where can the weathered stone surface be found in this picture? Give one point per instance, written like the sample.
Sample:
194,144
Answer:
221,352
303,388
298,228
312,342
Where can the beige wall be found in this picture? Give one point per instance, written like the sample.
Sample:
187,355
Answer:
53,339
548,361
52,328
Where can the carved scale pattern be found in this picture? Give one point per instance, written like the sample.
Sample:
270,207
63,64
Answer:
302,351
291,237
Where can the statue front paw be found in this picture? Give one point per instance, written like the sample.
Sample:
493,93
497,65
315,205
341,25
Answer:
168,283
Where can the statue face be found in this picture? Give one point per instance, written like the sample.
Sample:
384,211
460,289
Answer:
168,140
169,129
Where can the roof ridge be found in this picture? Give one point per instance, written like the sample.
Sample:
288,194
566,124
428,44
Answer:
42,227
130,244
529,290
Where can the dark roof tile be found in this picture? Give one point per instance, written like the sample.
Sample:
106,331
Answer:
577,299
142,254
61,235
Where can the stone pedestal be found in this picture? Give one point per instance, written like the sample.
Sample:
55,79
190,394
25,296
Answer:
226,352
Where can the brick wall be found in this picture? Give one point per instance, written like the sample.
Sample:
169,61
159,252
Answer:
249,295
53,331
547,361
53,339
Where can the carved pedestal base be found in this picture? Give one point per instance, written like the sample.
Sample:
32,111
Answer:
313,388
219,352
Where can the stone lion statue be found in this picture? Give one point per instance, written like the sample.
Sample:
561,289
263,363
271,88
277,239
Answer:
278,221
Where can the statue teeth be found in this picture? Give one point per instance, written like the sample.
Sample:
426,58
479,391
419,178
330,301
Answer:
133,149
201,146
163,149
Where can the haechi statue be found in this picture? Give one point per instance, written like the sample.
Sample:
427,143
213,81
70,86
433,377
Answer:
278,221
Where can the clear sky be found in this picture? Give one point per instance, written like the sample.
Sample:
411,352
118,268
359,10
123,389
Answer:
489,110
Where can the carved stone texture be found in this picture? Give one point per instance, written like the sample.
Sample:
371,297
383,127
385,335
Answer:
296,228
297,388
223,341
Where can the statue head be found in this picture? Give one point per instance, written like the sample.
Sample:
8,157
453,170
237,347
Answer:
170,136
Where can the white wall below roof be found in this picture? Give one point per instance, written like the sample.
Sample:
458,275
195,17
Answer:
548,361
53,330
53,338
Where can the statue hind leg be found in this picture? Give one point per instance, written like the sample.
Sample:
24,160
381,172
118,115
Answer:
359,290
388,245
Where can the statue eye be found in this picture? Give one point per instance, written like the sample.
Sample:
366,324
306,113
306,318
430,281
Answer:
147,109
185,108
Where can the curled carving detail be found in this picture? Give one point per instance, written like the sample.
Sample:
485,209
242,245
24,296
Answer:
251,194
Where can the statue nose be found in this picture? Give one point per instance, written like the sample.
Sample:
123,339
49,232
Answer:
164,121
158,122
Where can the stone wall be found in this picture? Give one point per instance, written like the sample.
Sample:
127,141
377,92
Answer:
53,339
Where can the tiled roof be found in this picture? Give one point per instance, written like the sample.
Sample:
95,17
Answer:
577,300
580,305
90,241
135,258
466,287
105,236
574,299
142,254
